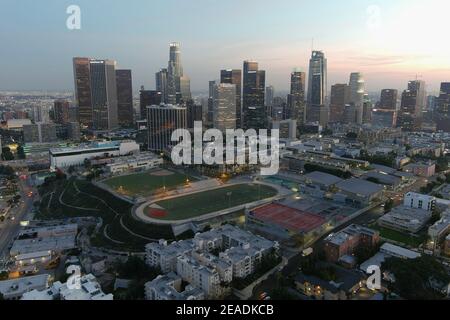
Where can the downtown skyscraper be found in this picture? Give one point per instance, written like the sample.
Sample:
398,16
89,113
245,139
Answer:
224,106
234,76
339,101
296,97
96,93
254,109
178,85
412,105
317,89
357,89
125,111
442,113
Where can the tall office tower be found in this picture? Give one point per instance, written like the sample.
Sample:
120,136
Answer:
162,121
224,106
280,110
357,88
234,76
442,110
178,84
253,93
340,97
388,99
210,110
317,89
148,98
161,84
194,113
184,89
270,93
104,94
40,114
61,111
367,109
296,97
96,92
81,71
413,102
125,98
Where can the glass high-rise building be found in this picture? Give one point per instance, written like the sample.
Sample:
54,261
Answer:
234,76
61,111
442,112
81,71
162,121
357,89
148,98
340,97
224,106
253,93
317,88
388,99
104,95
296,97
125,98
96,93
161,84
412,105
178,84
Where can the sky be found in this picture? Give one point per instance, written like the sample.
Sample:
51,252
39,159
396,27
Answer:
391,42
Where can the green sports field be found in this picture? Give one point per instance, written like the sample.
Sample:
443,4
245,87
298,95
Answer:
202,203
146,183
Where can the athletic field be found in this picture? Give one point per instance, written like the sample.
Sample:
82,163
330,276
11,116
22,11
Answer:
146,183
198,204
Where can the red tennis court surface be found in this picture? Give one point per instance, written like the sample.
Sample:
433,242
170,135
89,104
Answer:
288,218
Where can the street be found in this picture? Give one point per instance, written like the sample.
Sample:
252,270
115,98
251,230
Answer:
10,228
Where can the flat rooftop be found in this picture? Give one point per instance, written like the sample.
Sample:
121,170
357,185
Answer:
288,218
323,178
359,186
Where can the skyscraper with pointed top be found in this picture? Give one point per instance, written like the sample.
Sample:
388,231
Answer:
317,88
178,85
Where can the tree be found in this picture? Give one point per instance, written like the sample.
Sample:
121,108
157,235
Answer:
136,270
414,277
7,154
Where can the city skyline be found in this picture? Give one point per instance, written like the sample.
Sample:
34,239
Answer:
139,40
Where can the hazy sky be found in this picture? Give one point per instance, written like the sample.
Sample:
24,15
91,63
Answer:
389,41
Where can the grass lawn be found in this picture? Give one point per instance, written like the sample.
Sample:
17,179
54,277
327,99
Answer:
96,208
398,236
198,204
145,183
